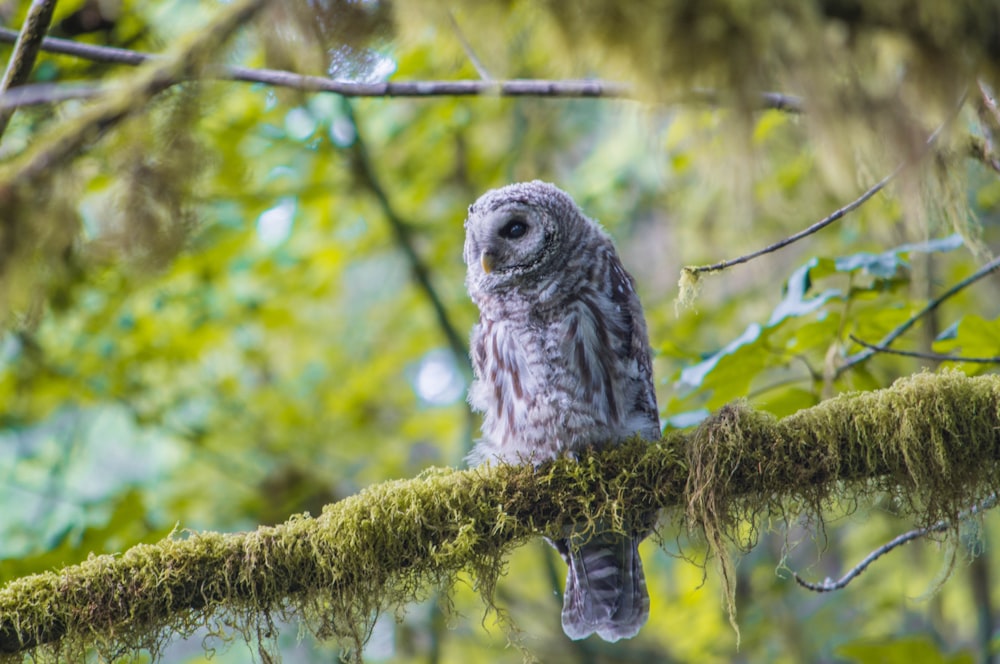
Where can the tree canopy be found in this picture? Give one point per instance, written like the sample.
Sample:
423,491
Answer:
231,291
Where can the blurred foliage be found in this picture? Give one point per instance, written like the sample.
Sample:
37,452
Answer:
210,321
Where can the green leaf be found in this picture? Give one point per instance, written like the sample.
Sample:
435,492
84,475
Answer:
906,650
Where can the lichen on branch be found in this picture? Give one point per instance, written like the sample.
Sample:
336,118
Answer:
932,440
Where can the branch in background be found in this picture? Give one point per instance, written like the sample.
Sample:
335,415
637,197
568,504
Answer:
22,60
937,357
460,88
829,584
859,357
402,231
47,93
566,89
692,272
818,226
67,140
467,47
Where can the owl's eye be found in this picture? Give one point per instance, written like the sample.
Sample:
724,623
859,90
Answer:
513,229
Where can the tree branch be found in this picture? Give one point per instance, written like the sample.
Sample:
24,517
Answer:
887,340
829,585
795,237
692,272
383,547
47,93
936,357
459,88
22,60
467,47
401,231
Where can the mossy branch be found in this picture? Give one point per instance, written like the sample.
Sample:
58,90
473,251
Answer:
932,439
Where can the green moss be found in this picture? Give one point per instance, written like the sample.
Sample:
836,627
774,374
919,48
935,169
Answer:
687,287
931,440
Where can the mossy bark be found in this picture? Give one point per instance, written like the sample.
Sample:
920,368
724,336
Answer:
932,439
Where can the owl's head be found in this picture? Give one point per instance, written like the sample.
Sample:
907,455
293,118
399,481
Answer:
518,233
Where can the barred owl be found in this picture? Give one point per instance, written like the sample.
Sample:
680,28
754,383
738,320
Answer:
561,362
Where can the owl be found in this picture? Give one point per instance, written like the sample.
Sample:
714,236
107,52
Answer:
562,363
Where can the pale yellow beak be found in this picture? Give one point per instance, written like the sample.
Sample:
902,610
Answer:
488,261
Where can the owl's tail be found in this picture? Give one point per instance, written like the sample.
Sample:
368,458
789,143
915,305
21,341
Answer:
605,588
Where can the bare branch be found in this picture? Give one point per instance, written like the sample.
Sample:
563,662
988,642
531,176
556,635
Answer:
402,231
459,88
818,226
47,93
937,357
694,271
105,54
22,60
861,356
776,101
829,585
467,47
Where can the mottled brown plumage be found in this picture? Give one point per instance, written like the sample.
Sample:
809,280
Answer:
562,362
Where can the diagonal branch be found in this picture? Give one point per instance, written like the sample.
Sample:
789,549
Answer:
467,47
402,232
383,547
829,585
22,60
901,329
691,272
795,237
936,357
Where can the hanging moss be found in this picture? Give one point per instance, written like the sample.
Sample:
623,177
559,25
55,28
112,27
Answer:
933,440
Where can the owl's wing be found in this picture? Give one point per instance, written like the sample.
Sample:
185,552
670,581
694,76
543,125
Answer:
634,351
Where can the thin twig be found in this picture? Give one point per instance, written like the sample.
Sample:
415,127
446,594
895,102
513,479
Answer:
94,53
776,101
47,93
694,271
461,88
829,585
819,225
26,48
861,356
937,357
467,47
401,229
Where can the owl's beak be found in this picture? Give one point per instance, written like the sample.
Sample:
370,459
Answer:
488,261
